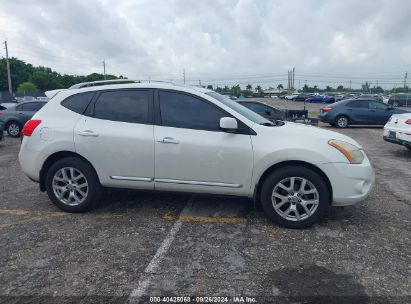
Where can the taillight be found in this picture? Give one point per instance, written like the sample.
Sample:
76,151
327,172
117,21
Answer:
408,121
325,110
30,126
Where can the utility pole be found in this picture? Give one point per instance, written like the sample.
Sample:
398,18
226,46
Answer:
8,67
293,77
184,76
350,85
104,69
405,79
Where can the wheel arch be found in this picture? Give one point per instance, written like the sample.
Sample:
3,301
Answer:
52,159
268,171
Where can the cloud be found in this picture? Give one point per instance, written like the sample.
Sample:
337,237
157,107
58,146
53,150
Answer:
219,41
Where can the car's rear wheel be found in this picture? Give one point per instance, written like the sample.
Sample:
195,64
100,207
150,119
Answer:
73,185
13,128
295,197
342,121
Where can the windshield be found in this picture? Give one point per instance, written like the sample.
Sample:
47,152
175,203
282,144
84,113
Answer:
247,113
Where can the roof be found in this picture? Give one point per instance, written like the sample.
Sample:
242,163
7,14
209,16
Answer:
125,84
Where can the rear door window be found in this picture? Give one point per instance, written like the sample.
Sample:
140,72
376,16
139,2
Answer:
359,104
125,105
78,103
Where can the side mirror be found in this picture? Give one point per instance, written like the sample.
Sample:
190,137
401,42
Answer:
228,124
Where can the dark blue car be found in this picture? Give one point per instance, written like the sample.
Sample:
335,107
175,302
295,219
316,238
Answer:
320,99
357,112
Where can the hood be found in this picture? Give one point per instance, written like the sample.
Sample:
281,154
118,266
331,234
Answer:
298,130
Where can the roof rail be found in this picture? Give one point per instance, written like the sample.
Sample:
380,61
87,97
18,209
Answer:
114,81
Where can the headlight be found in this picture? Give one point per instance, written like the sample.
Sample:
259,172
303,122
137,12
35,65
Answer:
351,152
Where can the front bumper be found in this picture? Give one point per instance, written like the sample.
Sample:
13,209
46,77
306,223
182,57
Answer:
351,183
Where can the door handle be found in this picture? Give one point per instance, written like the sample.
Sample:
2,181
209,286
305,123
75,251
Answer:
88,133
168,140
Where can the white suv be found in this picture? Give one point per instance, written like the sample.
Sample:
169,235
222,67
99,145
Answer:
161,136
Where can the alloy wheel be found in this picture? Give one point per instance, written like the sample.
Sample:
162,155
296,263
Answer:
342,122
13,129
295,198
70,186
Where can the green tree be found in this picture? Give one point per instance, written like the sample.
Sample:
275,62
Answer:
258,89
280,86
249,87
210,87
44,81
340,88
236,90
378,90
27,87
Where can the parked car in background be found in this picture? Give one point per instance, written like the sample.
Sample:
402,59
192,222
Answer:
370,96
1,131
357,112
267,111
329,99
14,117
9,103
398,130
291,96
165,137
43,98
301,97
320,99
400,100
315,99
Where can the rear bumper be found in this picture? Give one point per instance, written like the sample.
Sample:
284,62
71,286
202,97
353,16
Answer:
30,161
401,138
350,183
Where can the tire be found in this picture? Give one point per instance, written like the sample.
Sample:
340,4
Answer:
13,128
72,194
292,199
342,121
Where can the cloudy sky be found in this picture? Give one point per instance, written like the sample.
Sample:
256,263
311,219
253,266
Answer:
216,41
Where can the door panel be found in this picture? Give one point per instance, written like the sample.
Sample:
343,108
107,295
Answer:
118,139
379,113
193,154
122,153
202,161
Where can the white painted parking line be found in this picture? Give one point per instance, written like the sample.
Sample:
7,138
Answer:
198,209
136,295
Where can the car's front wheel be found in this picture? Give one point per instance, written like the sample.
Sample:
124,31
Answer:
342,121
295,197
72,185
13,129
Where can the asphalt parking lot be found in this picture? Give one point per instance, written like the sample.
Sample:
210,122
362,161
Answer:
142,244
